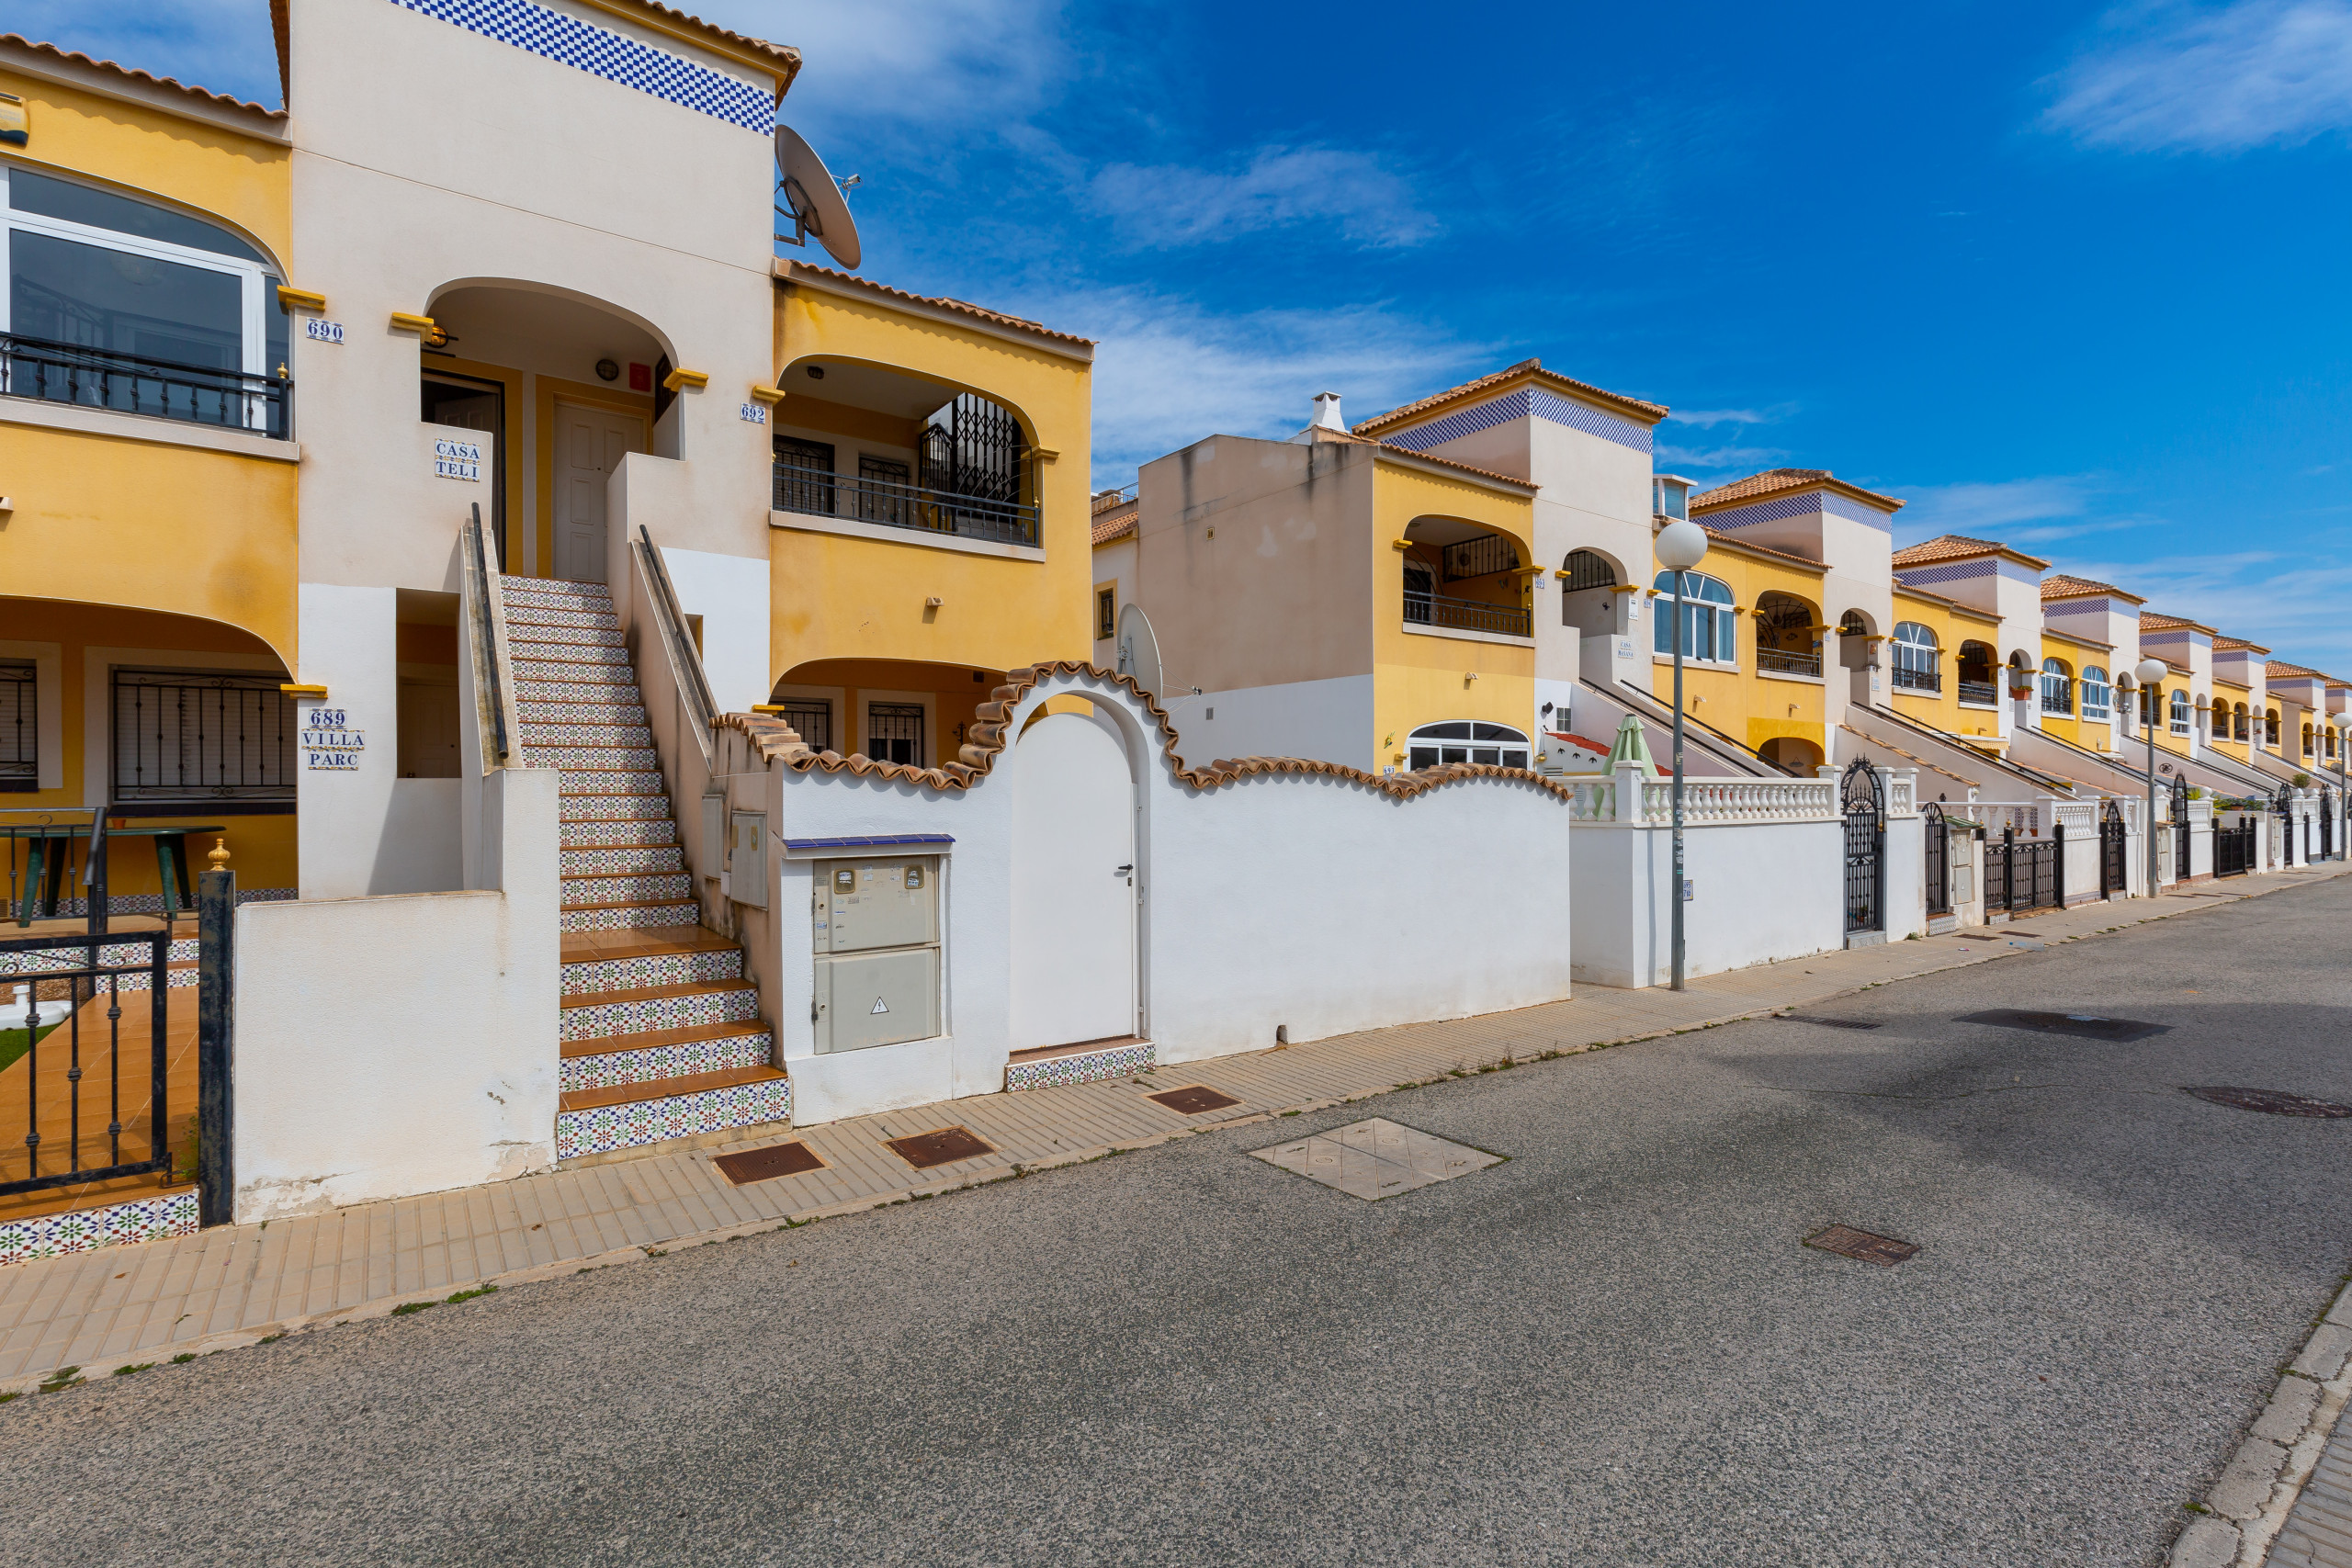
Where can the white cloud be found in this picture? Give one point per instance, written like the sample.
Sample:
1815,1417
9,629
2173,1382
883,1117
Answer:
2217,80
1706,461
1978,508
1356,194
1708,418
222,45
2288,605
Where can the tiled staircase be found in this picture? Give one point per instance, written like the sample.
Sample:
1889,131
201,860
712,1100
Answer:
662,1034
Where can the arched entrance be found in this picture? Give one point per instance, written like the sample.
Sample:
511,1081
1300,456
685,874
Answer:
1073,883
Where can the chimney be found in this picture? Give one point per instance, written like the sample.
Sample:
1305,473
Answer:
1326,411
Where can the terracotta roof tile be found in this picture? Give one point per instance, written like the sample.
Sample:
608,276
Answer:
985,742
219,100
1955,547
1349,438
1719,537
782,52
1772,481
2152,619
1117,526
939,300
2238,643
1524,367
2061,586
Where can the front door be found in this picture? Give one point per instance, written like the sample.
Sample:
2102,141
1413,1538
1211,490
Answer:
1073,884
590,444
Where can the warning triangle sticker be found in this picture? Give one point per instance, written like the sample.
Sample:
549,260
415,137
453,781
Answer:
878,1006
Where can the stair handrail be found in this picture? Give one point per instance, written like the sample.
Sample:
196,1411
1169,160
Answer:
685,661
481,618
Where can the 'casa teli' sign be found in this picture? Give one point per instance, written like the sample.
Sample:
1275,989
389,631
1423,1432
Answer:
330,743
456,459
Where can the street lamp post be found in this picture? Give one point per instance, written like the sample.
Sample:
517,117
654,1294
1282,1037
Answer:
1680,547
2148,673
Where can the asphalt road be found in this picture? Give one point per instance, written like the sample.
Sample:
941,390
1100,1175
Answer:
1611,1349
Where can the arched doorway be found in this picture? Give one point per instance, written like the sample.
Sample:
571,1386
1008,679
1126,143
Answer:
1793,753
1073,883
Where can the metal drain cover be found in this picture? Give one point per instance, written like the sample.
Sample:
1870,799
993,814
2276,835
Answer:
763,1165
2275,1102
1863,1247
944,1145
1376,1159
2084,1025
1835,1022
1193,1099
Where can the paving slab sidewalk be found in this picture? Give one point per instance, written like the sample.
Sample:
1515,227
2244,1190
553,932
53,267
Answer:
237,1284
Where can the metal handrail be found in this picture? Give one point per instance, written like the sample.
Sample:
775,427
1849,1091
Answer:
1980,692
1465,614
685,661
477,560
819,492
55,372
1918,680
1782,663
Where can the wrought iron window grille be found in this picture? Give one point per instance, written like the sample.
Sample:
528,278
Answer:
186,735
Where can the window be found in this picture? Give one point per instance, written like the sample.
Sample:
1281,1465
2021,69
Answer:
894,732
2181,712
1784,636
804,476
2331,744
19,727
812,719
1587,569
1915,658
2237,722
117,303
883,492
1465,740
197,737
2057,688
2307,740
1707,620
2097,697
1106,612
1974,667
2270,727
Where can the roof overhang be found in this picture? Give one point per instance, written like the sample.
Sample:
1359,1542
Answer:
792,273
104,79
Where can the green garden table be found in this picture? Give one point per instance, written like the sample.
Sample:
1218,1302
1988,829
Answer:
45,866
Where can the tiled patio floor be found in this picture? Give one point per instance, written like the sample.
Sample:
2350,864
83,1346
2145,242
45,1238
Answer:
236,1283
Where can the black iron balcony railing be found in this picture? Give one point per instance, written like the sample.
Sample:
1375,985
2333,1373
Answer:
1981,692
133,383
1465,614
1784,663
1919,680
822,493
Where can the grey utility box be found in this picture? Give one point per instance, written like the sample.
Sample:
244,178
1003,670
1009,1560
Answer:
875,928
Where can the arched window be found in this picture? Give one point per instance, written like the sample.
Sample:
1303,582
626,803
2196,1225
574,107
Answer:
2270,727
1587,569
2331,741
2181,712
1914,655
2057,688
1785,643
1583,571
1975,669
1707,619
2237,722
93,276
2307,740
2097,696
1465,740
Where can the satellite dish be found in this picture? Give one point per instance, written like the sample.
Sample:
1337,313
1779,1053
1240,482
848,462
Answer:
810,196
1138,649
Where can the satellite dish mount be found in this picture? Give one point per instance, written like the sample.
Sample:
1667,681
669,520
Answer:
813,199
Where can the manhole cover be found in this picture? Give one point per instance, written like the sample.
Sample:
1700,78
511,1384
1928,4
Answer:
944,1147
1377,1159
2086,1025
762,1164
1862,1245
2275,1102
1193,1099
1835,1022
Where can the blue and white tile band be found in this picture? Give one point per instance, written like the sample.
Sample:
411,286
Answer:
602,52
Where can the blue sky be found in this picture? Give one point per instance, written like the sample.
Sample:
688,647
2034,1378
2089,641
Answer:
2068,275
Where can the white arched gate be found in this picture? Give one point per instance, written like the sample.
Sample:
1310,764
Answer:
1073,884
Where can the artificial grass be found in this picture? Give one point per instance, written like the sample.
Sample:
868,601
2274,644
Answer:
15,1043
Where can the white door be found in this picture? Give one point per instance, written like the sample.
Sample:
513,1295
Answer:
1073,885
590,444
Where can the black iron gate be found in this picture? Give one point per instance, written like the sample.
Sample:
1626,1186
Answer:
2233,847
2327,822
1863,799
1939,867
2024,873
2111,866
2283,806
2180,827
82,1098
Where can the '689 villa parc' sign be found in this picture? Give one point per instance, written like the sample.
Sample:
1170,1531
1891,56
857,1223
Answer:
330,744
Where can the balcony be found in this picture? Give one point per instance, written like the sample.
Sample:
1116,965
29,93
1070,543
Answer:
1441,613
1979,693
131,383
1775,661
1931,682
821,492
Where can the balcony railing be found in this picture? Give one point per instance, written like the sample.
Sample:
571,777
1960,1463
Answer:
133,383
1983,693
819,492
1932,680
1781,663
1465,614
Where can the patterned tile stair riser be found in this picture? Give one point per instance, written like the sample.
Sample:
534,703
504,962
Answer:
86,1230
625,858
546,638
1085,1068
617,832
650,887
603,620
535,661
611,1069
628,737
606,784
608,1127
617,713
602,1020
538,681
152,903
591,759
630,917
586,979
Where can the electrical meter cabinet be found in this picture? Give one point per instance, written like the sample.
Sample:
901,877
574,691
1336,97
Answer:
875,929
